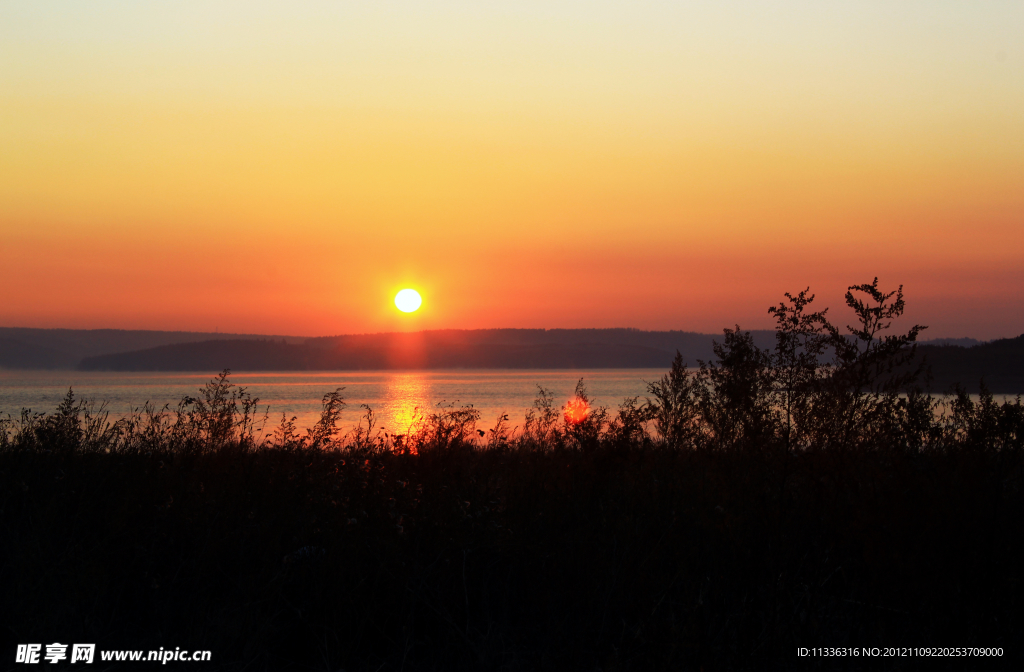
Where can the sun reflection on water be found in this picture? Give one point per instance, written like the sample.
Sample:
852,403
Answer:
406,401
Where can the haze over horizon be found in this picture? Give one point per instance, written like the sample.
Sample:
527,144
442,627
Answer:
284,169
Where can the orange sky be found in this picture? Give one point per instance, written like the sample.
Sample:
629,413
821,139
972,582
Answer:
257,167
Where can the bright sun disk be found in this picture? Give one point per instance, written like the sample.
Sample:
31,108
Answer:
408,300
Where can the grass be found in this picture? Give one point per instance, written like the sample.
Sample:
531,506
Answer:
622,555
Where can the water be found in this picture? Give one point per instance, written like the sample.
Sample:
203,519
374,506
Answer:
395,396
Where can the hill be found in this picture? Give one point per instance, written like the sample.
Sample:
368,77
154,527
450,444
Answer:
442,349
962,360
27,348
999,363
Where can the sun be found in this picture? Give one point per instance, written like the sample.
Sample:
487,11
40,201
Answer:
408,300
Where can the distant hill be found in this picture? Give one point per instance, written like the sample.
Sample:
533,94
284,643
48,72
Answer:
442,349
26,348
962,360
1000,363
962,342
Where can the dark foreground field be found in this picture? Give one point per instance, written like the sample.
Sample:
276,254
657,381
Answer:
618,558
759,504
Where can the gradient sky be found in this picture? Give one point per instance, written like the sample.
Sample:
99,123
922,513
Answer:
285,168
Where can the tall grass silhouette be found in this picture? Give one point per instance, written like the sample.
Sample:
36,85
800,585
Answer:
806,495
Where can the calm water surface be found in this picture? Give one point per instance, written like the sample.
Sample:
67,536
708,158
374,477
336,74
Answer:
395,396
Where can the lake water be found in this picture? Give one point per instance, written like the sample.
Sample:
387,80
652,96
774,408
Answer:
395,396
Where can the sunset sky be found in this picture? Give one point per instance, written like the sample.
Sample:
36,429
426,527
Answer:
285,168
